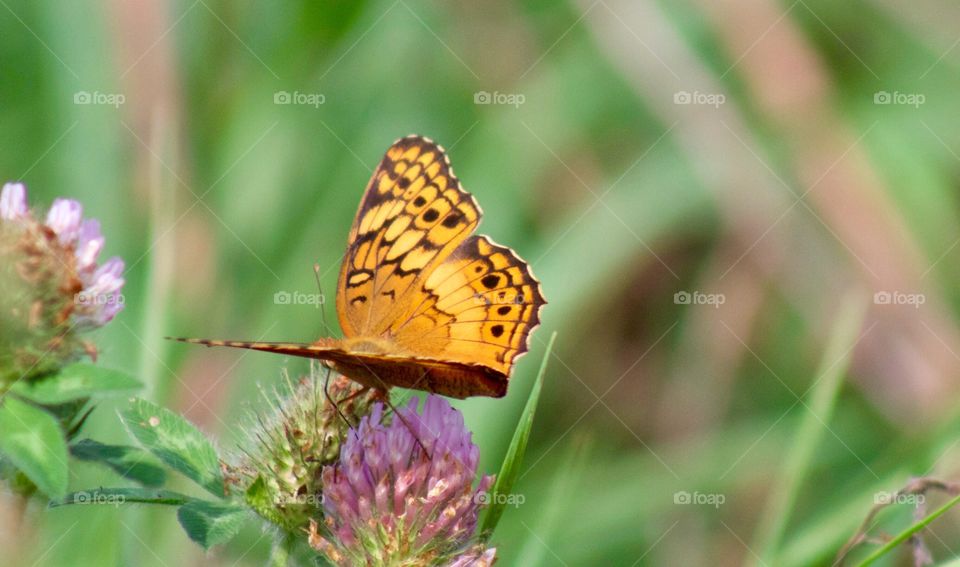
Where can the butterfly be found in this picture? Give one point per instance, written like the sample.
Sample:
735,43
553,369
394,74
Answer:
423,302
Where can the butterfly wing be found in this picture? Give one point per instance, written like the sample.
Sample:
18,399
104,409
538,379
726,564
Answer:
480,305
413,215
414,274
383,370
324,349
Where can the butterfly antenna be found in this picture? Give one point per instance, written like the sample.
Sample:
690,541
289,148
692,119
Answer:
323,301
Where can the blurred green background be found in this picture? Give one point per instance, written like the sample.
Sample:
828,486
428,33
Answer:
697,185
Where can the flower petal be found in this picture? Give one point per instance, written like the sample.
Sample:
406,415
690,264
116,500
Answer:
89,245
64,219
13,201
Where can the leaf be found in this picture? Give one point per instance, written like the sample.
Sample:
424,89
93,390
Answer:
211,523
33,441
510,469
118,496
176,442
819,406
75,382
129,462
258,497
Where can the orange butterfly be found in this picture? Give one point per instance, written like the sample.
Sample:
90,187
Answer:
422,301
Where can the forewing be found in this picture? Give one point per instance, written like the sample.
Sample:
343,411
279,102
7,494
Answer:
412,216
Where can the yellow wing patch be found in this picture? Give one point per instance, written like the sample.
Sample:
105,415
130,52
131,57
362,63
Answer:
413,215
478,306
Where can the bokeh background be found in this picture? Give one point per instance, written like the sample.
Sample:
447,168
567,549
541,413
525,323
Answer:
698,185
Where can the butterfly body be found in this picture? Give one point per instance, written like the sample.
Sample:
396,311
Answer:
423,302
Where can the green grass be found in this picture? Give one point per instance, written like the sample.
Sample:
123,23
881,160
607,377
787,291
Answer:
643,398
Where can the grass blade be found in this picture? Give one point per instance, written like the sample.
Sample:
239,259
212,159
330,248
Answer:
832,369
518,446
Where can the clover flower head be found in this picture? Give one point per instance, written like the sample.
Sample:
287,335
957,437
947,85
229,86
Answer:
288,448
389,502
54,285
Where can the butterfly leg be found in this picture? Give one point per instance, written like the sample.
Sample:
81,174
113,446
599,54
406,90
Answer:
330,400
356,394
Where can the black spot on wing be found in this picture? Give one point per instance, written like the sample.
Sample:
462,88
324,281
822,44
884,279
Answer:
491,281
451,220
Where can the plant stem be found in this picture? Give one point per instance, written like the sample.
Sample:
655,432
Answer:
907,533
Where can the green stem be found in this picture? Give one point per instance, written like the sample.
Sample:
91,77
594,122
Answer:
907,533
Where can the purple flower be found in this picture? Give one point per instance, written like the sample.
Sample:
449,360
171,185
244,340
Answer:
475,558
13,201
64,218
390,501
98,299
102,292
